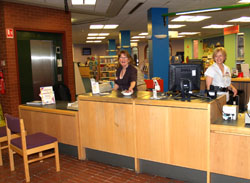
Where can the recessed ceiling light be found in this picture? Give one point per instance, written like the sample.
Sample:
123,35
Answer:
89,2
216,26
110,26
92,34
143,34
91,37
190,18
103,34
134,40
138,37
97,41
100,37
77,2
188,33
89,41
244,1
96,26
175,26
241,19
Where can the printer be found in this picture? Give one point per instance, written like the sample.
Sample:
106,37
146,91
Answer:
230,112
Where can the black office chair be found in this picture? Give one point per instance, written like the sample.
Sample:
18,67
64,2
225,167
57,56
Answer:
62,92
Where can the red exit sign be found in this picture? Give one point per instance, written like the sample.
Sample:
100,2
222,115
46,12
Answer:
9,33
232,30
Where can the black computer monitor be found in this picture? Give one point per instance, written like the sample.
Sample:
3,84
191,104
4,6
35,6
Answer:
180,74
197,61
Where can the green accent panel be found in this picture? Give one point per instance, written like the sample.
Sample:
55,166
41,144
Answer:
25,74
230,46
188,48
246,32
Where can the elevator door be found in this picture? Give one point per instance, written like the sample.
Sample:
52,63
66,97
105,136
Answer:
43,65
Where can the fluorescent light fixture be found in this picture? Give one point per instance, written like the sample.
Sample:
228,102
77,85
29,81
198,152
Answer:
138,37
173,34
190,18
244,1
199,11
97,41
110,26
241,19
89,2
91,37
216,26
103,34
188,33
175,26
96,26
143,34
93,34
100,37
77,2
134,40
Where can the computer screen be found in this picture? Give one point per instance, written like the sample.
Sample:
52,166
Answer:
186,72
197,61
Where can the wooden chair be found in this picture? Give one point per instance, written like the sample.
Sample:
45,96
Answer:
29,144
3,138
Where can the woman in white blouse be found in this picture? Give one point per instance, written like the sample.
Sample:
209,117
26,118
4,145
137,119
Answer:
219,74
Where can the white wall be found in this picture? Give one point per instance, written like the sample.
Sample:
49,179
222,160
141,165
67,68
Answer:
177,45
96,50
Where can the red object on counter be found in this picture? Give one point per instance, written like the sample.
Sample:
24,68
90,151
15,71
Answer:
150,84
240,75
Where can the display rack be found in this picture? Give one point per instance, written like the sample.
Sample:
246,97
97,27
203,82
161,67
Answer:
107,67
93,67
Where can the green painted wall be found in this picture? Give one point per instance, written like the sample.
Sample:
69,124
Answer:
188,48
230,46
246,32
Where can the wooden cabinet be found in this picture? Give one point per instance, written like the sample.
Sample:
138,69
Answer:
107,67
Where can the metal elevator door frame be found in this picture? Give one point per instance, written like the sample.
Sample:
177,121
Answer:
43,65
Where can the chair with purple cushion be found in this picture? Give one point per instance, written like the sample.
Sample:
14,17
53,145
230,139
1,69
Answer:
3,138
29,144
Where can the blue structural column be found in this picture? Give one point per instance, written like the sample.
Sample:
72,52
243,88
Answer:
112,47
124,39
158,47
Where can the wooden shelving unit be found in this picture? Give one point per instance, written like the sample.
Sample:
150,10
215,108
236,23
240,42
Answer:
107,67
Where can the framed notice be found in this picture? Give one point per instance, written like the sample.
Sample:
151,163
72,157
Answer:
47,95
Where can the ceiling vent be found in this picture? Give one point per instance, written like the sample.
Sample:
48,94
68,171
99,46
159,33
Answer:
135,8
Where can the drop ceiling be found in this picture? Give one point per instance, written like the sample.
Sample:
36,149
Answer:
117,12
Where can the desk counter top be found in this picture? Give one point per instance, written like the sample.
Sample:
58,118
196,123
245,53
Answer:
233,79
144,98
231,126
59,108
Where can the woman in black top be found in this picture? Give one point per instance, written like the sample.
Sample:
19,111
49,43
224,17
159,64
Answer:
126,74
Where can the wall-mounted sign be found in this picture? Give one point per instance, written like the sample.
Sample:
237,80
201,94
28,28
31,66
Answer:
10,33
232,30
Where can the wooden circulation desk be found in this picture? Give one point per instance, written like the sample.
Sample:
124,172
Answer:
166,131
230,147
54,120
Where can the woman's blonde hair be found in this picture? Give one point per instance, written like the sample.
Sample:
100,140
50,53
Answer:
222,50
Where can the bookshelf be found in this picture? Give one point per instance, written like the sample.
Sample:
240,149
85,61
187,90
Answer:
107,67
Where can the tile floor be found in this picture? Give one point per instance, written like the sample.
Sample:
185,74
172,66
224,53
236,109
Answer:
74,171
